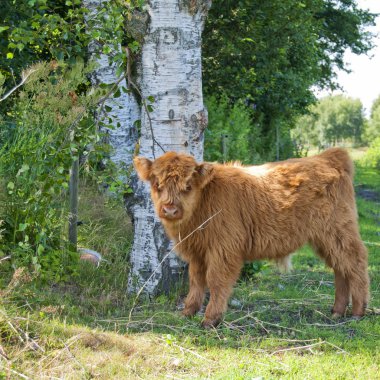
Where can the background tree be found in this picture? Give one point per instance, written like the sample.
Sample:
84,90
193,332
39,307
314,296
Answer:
230,134
334,119
373,126
171,78
271,53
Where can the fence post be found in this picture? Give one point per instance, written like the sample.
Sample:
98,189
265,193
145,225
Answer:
277,141
224,147
73,216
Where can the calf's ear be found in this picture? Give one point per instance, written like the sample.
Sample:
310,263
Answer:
143,167
205,173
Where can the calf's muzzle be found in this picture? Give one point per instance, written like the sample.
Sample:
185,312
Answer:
171,211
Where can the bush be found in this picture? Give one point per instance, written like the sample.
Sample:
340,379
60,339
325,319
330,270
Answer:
47,129
372,157
231,135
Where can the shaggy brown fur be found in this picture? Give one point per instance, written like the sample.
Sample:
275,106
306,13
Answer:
260,212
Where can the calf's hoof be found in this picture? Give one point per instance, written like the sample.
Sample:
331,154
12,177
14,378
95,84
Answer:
190,311
210,323
336,315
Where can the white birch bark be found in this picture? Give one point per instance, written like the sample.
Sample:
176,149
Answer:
125,109
171,73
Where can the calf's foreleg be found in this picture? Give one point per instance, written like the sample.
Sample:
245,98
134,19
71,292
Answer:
220,278
197,281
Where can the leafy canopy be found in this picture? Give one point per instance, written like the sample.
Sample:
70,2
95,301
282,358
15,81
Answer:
271,53
333,119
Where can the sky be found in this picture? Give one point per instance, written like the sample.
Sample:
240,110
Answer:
364,80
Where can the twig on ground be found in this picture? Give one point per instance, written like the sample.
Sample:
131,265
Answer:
2,353
69,342
17,333
278,326
309,347
76,360
184,349
18,373
261,324
298,348
191,352
22,335
328,325
338,348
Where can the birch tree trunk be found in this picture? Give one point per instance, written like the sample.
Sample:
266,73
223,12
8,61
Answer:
125,108
171,73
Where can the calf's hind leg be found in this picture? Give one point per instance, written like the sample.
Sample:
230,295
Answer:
347,255
342,294
357,275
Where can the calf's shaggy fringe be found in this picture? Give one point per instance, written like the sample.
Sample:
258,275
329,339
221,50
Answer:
263,212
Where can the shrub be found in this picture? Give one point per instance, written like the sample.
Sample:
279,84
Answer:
48,128
231,135
372,157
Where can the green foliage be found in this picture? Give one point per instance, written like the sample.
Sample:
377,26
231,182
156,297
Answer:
372,130
50,123
333,119
251,269
35,30
51,127
372,156
230,135
270,54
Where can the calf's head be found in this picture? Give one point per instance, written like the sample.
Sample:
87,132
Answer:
176,182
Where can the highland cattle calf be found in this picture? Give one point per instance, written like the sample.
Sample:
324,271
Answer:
258,212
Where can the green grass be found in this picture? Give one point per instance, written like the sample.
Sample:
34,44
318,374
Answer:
277,326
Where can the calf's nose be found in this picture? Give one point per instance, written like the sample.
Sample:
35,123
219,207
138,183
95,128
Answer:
170,210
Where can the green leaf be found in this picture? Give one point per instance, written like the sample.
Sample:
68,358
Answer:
3,28
9,55
22,226
11,185
108,108
151,98
40,249
24,168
